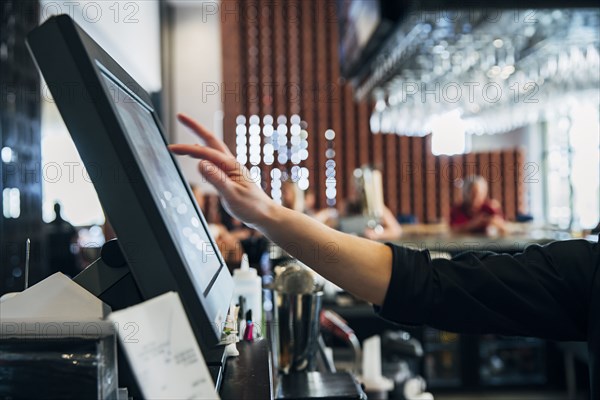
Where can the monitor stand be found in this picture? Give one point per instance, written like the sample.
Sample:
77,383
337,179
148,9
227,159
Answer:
110,279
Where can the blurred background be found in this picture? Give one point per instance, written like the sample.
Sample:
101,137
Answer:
319,93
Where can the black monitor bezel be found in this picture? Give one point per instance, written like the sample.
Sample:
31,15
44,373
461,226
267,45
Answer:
69,60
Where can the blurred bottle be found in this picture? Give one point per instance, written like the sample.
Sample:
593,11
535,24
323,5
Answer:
248,284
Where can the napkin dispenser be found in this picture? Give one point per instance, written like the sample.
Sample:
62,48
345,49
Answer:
54,343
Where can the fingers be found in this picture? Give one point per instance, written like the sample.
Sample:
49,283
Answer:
207,136
182,149
214,175
223,161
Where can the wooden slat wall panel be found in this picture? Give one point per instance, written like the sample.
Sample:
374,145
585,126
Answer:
279,61
418,192
253,82
349,139
495,182
280,67
391,171
377,160
294,54
343,167
445,182
405,175
290,55
431,193
323,96
510,193
373,140
355,132
232,51
306,86
483,166
266,79
335,105
456,171
469,164
363,134
519,179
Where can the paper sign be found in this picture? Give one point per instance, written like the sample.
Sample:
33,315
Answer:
162,350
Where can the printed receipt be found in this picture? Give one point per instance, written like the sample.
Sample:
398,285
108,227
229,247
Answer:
162,350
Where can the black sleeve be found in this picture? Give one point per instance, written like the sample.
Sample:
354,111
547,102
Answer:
544,291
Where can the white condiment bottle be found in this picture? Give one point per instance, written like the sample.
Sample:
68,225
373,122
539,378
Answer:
247,283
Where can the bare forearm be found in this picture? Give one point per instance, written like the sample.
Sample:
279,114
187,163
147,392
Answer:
361,266
358,265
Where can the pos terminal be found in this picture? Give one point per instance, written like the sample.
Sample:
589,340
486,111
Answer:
164,244
162,234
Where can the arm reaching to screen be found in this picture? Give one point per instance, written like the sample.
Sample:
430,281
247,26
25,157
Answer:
361,266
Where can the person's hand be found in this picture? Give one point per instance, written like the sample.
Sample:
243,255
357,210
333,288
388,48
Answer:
481,220
371,233
243,198
498,222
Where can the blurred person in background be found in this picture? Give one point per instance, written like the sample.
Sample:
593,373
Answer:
388,227
291,196
305,201
477,213
328,216
61,242
246,239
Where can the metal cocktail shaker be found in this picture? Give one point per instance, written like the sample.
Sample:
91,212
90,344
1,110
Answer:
297,330
297,306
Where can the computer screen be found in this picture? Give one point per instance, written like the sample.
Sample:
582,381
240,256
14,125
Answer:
160,229
167,189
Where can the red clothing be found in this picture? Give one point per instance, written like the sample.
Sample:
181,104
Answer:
459,215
